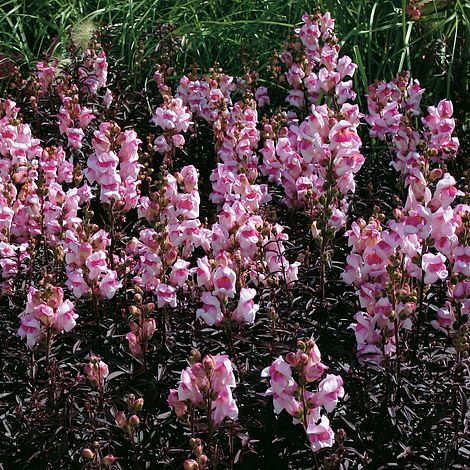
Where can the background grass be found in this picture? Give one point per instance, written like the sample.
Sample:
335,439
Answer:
239,33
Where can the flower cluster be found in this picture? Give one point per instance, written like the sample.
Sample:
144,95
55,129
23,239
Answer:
392,265
93,73
96,371
392,108
115,165
292,395
208,385
207,97
73,118
88,266
314,67
46,313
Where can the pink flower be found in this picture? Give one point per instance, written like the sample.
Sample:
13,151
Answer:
210,311
320,435
134,344
203,273
222,374
30,329
109,284
314,369
346,67
175,403
107,98
329,390
179,273
246,309
446,191
166,295
76,283
74,137
97,264
248,237
296,98
461,256
188,389
261,96
66,317
96,370
434,267
282,387
224,406
224,280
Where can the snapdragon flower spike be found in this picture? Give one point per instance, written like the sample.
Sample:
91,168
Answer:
159,256
46,73
115,165
207,385
244,247
93,73
313,65
87,263
288,379
392,107
141,333
315,160
174,119
73,117
96,371
418,246
207,97
46,311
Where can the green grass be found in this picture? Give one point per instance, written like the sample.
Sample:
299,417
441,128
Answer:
239,33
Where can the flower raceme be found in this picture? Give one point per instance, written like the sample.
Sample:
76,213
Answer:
207,385
96,370
292,395
46,311
391,265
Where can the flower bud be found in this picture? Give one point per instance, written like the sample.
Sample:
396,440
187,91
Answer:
194,442
303,358
208,362
134,310
195,356
134,420
292,359
190,464
88,453
108,460
139,404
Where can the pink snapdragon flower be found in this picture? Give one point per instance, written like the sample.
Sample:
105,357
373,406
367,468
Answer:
434,268
224,280
246,309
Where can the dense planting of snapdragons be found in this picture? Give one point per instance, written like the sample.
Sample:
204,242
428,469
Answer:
174,263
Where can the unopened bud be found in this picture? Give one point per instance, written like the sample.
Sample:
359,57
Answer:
292,359
88,453
208,362
108,460
190,464
435,174
134,420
